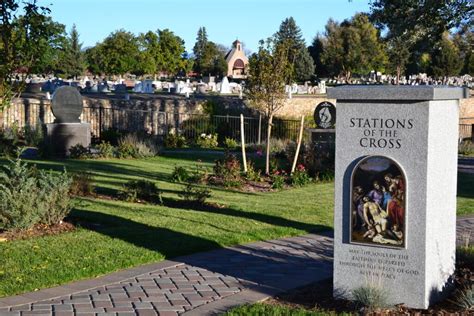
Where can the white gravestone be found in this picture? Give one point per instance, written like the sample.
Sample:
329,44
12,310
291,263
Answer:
395,190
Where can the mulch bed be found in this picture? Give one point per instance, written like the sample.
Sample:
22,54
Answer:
318,296
38,230
246,186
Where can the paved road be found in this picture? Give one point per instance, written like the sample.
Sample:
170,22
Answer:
200,284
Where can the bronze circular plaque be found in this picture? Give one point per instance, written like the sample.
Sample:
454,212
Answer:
325,115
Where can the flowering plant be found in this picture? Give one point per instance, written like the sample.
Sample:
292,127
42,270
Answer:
207,141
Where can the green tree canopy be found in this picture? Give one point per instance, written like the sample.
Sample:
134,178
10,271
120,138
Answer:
26,34
446,59
354,46
120,53
315,50
171,48
208,58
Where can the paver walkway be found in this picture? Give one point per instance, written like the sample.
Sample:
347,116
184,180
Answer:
200,284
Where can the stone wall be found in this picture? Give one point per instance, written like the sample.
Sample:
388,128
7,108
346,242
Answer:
32,109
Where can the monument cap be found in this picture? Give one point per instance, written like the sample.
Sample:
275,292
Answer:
67,105
384,92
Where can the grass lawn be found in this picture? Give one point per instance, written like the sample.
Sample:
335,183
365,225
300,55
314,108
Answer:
129,234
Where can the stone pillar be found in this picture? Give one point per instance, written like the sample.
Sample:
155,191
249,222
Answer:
395,190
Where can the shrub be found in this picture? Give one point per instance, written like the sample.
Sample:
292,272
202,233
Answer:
199,174
207,141
278,179
105,150
465,256
463,297
300,176
174,141
370,296
131,146
82,184
252,174
144,190
466,148
28,197
34,135
54,198
230,143
180,174
195,194
325,176
79,152
111,136
228,169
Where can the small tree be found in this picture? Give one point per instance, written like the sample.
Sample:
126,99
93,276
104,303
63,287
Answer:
268,69
24,40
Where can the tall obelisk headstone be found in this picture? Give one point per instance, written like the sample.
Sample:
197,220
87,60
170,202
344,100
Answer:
395,190
67,129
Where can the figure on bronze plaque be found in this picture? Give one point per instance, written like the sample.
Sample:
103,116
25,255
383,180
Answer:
378,202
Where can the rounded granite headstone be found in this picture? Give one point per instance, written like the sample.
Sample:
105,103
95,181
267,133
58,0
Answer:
67,105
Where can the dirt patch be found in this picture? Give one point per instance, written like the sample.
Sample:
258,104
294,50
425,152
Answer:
39,230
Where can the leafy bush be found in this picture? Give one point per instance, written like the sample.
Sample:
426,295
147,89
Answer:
466,148
180,174
300,176
228,169
28,197
252,174
207,141
278,179
34,135
325,176
79,152
141,190
174,141
106,150
195,194
370,296
199,174
230,143
82,184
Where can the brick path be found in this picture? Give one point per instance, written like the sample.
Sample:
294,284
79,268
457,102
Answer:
199,284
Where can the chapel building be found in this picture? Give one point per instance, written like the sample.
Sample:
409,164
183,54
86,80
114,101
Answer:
236,61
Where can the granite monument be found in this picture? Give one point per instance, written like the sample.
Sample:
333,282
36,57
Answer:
395,191
67,130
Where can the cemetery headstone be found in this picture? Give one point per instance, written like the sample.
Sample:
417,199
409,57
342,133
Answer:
67,129
395,191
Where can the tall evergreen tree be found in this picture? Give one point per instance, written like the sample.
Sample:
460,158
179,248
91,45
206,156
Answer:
71,62
315,50
290,35
200,48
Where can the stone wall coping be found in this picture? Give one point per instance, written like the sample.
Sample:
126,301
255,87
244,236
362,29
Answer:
414,93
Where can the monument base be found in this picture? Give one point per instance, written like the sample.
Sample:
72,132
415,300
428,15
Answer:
61,137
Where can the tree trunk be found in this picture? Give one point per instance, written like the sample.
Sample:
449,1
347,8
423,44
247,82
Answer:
269,131
399,70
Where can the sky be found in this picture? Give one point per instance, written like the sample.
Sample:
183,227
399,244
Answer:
246,20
